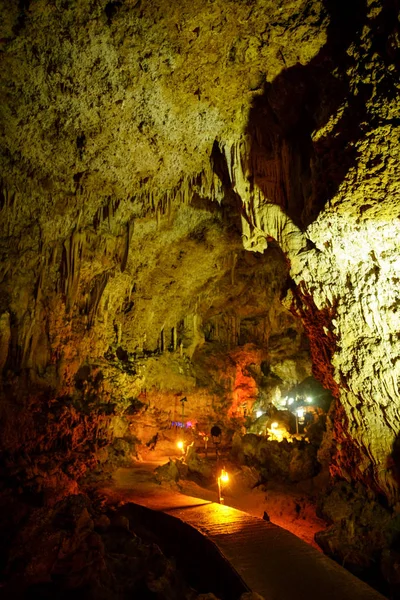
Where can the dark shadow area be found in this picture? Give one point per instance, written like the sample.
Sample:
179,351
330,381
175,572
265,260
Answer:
232,205
372,553
394,460
185,506
292,170
197,557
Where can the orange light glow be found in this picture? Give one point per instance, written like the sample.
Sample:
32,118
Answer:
224,476
274,425
180,445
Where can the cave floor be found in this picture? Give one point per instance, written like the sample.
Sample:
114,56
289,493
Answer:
261,553
290,507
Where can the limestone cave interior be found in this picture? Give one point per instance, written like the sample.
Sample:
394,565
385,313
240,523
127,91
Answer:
199,238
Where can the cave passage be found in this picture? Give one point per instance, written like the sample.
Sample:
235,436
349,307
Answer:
199,242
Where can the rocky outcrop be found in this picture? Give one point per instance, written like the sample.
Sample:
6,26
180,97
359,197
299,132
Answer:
325,189
362,535
121,123
201,319
146,149
127,100
344,262
278,461
75,548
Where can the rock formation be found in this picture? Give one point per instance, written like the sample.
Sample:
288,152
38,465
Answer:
125,282
190,191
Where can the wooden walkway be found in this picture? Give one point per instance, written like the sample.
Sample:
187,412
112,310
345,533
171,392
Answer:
269,559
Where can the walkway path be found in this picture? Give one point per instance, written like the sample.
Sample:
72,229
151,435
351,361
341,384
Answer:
269,559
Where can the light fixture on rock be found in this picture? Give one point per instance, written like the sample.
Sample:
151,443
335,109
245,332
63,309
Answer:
223,478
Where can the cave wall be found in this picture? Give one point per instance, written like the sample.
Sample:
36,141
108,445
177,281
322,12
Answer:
102,346
117,118
118,283
328,193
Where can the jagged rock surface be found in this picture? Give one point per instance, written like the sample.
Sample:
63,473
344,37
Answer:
76,549
133,140
342,234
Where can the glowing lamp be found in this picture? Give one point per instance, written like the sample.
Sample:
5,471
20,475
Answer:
290,401
309,399
274,425
180,445
224,476
300,413
259,414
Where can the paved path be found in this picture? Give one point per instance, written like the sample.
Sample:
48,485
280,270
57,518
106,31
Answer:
270,560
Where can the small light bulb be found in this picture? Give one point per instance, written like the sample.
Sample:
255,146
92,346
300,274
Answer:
224,476
290,401
309,399
300,413
274,425
180,445
259,414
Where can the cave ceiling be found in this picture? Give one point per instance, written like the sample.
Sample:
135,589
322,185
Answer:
146,148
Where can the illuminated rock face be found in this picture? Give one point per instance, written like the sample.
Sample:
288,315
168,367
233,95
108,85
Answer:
112,349
136,138
342,236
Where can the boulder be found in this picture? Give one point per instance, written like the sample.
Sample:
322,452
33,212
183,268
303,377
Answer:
303,463
121,452
197,465
102,523
168,472
249,447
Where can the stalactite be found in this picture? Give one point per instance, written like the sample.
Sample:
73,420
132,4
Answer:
158,216
128,237
174,338
4,269
95,297
169,209
71,267
234,261
162,341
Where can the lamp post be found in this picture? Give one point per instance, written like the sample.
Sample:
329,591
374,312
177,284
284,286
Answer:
183,400
223,478
216,438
